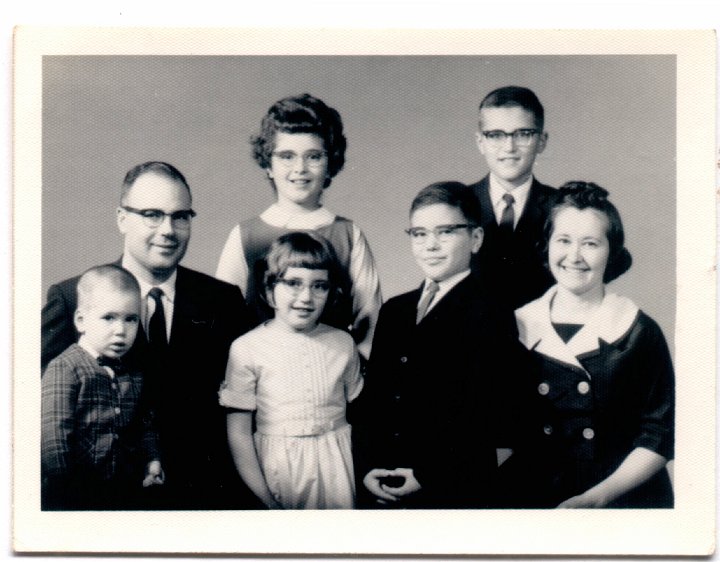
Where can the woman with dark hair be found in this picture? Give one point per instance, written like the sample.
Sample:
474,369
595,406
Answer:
605,386
301,148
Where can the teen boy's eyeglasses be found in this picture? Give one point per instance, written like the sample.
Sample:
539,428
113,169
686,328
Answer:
443,233
155,217
522,137
296,286
312,158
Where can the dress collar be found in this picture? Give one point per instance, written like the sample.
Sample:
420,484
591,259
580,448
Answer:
609,323
282,218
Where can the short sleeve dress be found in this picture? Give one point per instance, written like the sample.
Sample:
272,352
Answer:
298,384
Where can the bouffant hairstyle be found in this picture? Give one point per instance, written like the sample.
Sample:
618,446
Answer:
587,195
302,114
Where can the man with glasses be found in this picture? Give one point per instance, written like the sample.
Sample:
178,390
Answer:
188,321
514,205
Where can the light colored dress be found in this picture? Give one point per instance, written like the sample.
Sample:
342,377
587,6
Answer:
299,385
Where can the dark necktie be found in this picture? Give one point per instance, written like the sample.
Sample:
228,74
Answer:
430,290
507,220
157,332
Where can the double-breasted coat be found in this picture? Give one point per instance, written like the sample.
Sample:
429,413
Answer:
608,390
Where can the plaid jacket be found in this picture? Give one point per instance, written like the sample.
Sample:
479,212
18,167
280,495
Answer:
93,425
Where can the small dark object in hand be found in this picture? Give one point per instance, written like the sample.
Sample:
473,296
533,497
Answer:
392,481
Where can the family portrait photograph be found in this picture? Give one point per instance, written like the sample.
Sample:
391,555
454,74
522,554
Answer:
364,292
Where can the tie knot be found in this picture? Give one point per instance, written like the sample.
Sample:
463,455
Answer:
156,293
509,199
432,287
113,362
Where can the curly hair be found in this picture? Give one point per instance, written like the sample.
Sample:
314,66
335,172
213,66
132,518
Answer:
302,114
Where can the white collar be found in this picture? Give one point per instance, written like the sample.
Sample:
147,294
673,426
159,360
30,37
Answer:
283,218
520,195
610,322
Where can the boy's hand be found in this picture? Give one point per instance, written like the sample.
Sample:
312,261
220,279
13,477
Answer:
372,483
387,494
410,486
154,475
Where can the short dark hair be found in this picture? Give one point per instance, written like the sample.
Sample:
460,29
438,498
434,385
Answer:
451,193
516,96
302,114
117,278
587,195
160,168
302,249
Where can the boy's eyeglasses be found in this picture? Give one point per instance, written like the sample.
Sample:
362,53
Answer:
522,137
297,286
155,217
443,233
312,158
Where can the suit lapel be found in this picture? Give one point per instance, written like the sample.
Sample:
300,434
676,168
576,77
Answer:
447,305
487,215
189,314
532,212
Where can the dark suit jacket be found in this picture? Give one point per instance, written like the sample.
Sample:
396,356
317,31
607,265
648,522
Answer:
513,268
183,385
436,396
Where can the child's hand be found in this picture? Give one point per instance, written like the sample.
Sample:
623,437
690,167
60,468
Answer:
154,475
373,484
390,494
410,486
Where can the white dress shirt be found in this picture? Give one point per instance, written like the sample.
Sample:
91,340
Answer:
520,194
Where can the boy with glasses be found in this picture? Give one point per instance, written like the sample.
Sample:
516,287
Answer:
513,204
428,421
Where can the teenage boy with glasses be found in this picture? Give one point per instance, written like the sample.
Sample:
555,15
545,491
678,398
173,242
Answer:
514,205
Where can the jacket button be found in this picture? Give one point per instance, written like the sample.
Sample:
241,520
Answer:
543,388
588,433
117,410
548,429
583,387
403,359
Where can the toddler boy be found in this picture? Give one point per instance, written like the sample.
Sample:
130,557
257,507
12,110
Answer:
99,446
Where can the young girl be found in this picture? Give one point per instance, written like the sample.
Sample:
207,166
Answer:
295,376
606,382
301,147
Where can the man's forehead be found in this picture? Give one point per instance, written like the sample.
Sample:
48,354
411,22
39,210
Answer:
158,188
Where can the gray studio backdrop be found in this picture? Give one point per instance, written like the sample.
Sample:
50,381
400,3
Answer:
410,121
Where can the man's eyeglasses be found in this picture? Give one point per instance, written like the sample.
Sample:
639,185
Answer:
312,158
153,218
443,233
296,286
522,137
